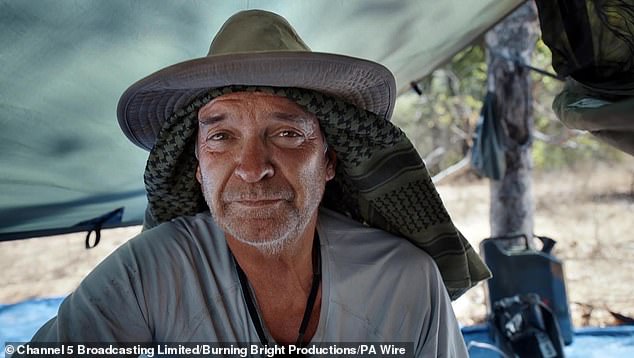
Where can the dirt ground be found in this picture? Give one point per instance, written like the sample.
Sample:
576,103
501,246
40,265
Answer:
590,212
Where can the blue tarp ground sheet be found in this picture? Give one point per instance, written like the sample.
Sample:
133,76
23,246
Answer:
18,322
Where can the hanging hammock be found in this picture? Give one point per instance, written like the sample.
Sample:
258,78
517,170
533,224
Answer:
592,45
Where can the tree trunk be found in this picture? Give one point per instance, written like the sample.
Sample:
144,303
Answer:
509,43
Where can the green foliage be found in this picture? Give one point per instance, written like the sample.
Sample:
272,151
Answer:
566,148
584,149
442,120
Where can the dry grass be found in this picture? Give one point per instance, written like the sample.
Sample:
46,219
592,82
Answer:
52,266
588,211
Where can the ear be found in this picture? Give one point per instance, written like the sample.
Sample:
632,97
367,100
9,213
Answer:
331,164
198,175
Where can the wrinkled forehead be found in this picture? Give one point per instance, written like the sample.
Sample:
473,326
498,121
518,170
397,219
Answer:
251,103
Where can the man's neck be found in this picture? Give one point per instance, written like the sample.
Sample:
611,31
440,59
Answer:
281,284
293,264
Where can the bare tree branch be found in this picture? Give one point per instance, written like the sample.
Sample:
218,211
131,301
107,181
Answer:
453,171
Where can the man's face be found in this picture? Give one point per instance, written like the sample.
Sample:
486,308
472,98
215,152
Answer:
263,167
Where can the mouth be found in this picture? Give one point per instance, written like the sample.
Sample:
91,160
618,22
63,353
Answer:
258,203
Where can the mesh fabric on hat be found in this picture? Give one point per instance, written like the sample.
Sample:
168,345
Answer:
380,179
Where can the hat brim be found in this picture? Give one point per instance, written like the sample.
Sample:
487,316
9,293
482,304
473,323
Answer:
145,105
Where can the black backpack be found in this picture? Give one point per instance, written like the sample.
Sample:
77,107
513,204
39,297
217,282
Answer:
523,326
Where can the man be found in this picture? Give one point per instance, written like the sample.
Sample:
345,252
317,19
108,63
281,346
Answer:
273,179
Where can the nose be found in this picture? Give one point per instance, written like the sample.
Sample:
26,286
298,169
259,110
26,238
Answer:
254,162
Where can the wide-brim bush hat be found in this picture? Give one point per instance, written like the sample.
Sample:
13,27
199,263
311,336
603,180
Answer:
380,178
253,48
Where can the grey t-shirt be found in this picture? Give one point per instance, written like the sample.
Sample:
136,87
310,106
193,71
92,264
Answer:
177,283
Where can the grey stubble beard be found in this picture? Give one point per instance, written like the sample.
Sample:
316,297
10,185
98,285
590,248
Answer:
282,236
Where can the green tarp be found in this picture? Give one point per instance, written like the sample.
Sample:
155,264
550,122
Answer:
64,64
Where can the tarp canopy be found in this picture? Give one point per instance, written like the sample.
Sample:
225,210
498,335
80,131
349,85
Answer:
63,159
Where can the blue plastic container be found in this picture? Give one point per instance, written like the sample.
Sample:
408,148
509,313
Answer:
522,270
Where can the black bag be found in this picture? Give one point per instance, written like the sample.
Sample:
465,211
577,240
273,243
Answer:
488,154
522,326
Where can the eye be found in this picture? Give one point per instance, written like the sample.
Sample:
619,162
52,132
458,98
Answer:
218,141
289,134
217,136
288,138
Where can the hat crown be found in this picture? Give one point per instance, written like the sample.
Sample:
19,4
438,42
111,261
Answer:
256,31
